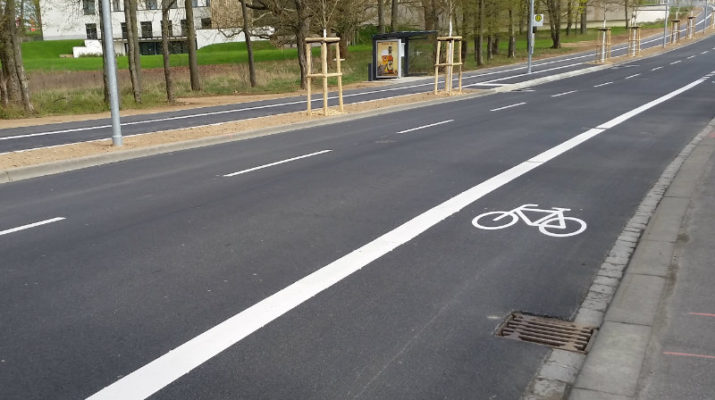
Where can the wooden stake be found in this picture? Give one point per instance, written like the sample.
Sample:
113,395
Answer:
340,77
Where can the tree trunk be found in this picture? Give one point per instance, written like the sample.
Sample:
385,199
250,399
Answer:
394,16
170,97
381,16
584,19
554,9
191,38
249,45
302,31
131,49
16,54
137,50
11,91
479,34
495,44
105,73
511,52
569,17
490,44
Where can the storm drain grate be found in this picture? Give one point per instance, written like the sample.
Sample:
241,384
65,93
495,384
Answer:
547,331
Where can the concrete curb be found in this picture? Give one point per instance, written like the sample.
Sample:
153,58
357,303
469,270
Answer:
17,174
624,303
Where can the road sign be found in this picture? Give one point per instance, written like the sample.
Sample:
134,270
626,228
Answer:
538,20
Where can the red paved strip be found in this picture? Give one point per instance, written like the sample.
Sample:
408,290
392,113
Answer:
702,314
670,353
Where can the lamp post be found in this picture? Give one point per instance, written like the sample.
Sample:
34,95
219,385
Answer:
665,23
531,35
110,61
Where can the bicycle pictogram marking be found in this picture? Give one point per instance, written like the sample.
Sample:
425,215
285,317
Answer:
551,222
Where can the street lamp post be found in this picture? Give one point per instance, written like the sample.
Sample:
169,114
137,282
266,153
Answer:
531,34
110,61
665,23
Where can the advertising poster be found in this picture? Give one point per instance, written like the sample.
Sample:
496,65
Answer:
388,59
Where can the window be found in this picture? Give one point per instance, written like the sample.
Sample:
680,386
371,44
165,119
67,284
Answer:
174,4
91,31
205,23
208,3
195,3
170,28
116,5
124,30
146,29
88,7
184,28
151,4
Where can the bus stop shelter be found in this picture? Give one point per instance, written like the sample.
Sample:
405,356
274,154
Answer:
401,54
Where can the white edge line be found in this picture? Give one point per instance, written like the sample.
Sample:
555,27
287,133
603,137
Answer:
426,126
160,372
509,106
276,163
564,93
33,225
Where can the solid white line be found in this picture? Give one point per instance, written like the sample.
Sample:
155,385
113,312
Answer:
28,226
426,126
676,62
632,76
603,84
520,75
154,376
276,163
564,93
510,106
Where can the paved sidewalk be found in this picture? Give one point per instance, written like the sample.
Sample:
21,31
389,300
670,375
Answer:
657,340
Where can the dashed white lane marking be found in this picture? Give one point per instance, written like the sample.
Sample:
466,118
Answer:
277,163
603,84
633,76
509,106
564,93
29,226
690,58
656,68
676,62
705,52
154,376
426,126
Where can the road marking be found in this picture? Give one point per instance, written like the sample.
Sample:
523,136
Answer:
276,163
509,106
564,93
676,62
602,84
705,52
426,126
171,366
520,75
671,353
28,226
632,76
691,57
702,314
656,68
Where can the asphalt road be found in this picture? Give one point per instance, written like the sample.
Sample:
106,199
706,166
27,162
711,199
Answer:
349,273
15,139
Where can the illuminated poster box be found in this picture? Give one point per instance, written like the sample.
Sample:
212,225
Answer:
388,59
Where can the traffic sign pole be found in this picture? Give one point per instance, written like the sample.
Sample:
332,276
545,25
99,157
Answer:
531,34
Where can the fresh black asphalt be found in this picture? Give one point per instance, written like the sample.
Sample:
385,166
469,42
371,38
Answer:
155,251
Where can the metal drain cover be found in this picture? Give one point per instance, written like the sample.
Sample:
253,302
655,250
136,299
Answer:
547,331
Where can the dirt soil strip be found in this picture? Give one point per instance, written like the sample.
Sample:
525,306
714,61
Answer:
103,146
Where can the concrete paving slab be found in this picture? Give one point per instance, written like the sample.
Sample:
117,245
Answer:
614,363
652,258
581,394
637,300
689,176
665,225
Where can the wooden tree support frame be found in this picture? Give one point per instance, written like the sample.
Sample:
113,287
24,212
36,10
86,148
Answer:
691,27
634,41
324,42
712,20
449,64
604,48
674,31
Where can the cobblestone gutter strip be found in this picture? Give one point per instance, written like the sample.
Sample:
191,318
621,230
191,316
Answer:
558,373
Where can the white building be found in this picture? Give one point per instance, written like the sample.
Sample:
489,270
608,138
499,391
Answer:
79,19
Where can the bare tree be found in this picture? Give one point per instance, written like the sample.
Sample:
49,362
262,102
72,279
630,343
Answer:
381,16
13,55
191,39
249,46
394,16
134,58
166,5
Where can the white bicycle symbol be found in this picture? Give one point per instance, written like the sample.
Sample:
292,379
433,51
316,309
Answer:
552,222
